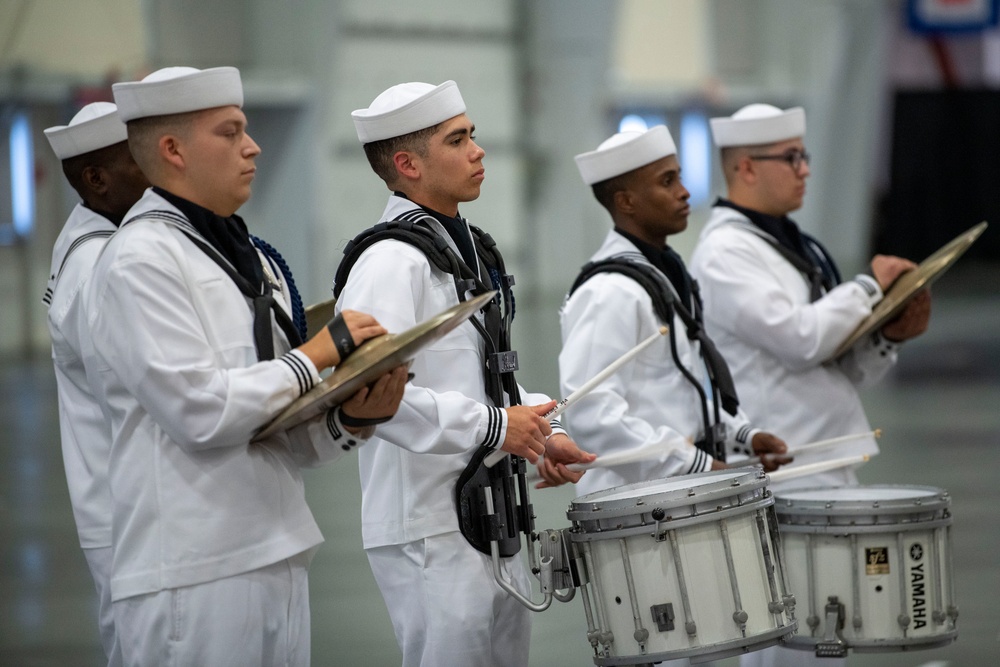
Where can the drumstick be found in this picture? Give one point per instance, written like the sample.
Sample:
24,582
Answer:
784,474
636,454
587,387
819,444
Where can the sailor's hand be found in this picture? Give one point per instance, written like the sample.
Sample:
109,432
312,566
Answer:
527,430
770,448
912,321
354,327
560,450
888,268
377,401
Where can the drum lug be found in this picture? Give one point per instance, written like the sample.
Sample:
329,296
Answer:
813,623
789,601
658,516
832,645
904,622
663,616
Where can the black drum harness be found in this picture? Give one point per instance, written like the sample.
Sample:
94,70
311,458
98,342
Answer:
665,304
478,525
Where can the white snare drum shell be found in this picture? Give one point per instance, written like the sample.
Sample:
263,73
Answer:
657,549
883,551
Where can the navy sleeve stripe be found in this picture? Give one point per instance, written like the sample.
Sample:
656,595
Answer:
301,372
866,284
698,463
495,421
331,424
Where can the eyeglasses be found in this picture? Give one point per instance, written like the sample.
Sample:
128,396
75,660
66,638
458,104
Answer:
795,158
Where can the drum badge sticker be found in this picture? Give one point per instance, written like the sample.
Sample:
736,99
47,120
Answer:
877,560
917,586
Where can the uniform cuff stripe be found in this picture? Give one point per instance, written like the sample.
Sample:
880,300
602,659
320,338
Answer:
300,370
493,424
331,424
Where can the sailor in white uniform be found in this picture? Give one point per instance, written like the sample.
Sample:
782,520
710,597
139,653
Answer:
676,400
97,163
776,306
194,349
445,605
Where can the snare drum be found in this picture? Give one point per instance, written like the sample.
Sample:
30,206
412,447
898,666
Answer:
684,567
873,559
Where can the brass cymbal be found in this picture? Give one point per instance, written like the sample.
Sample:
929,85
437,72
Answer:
370,361
317,316
910,283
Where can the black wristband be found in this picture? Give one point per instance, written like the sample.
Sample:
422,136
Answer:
360,422
341,336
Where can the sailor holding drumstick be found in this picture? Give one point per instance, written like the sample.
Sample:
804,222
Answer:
676,399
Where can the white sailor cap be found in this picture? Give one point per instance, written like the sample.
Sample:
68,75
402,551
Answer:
406,108
95,126
757,124
178,90
624,152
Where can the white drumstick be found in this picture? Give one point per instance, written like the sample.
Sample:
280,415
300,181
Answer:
819,444
653,452
784,474
588,387
647,452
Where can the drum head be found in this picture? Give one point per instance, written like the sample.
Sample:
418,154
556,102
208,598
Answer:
662,488
685,496
860,494
862,505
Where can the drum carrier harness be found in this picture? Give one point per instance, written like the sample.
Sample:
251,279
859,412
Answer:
478,525
665,304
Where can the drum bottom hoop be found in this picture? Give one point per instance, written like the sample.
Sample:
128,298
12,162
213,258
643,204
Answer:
882,645
708,652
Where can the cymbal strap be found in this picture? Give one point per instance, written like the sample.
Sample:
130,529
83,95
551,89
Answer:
341,336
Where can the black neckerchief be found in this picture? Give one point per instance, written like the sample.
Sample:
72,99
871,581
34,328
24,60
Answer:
457,230
229,236
669,262
222,240
789,236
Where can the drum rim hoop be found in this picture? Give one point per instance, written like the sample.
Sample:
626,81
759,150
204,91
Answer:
664,526
863,528
704,493
800,643
939,498
724,649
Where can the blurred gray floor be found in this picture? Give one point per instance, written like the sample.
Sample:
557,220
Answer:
939,412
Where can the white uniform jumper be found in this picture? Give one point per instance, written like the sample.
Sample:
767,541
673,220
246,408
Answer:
445,606
86,439
647,402
194,501
779,344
